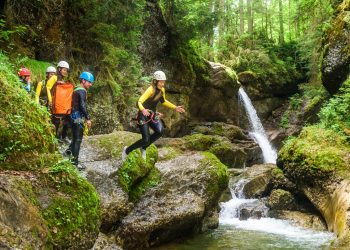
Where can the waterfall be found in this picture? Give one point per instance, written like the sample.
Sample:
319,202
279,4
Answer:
258,131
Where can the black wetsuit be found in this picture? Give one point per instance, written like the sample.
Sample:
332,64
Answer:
78,116
146,122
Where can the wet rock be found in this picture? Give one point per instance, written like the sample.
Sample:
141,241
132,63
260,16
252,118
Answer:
106,242
101,155
280,199
317,162
184,202
236,154
259,180
300,219
336,56
254,210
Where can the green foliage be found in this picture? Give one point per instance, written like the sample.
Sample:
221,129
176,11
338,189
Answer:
295,101
115,27
26,133
37,68
190,19
7,33
270,66
335,114
284,123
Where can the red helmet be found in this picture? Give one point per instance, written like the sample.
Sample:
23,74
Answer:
24,72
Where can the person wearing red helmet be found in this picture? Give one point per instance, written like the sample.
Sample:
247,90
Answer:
24,78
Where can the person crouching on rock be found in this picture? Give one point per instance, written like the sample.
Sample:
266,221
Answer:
148,117
79,115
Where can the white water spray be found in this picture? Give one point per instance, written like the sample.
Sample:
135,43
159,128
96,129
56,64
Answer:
258,131
229,216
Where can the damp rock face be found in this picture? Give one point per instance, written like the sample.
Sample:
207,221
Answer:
336,54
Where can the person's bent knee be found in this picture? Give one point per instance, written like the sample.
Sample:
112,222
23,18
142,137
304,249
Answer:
146,141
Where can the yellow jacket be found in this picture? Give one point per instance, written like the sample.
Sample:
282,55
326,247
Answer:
150,99
49,86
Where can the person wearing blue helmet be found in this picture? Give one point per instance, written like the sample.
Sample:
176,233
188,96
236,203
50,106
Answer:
79,115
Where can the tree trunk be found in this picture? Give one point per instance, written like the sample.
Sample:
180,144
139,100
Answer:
241,17
280,17
250,17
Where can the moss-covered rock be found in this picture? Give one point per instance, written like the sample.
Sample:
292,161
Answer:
232,132
184,202
55,208
26,134
137,174
72,210
280,199
336,54
318,162
315,155
228,153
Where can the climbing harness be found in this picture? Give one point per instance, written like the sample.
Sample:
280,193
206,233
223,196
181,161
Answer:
152,117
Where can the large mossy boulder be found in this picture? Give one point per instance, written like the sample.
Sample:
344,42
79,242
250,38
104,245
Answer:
233,154
336,54
184,202
119,184
318,163
54,208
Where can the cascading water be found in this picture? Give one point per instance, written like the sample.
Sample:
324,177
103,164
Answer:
298,237
258,131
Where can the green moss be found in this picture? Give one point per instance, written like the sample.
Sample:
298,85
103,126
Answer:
74,210
37,68
151,180
171,153
134,171
191,65
217,170
317,153
200,142
277,173
26,131
112,145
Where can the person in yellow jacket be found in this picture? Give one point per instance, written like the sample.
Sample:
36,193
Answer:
41,88
57,120
148,117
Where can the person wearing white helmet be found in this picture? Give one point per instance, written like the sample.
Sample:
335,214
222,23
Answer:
57,120
62,73
148,117
41,89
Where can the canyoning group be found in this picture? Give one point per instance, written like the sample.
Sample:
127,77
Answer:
67,105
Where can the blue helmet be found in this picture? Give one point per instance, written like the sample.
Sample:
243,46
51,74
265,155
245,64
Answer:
87,76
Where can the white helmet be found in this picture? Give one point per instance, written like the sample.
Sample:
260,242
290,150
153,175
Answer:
159,75
51,69
63,64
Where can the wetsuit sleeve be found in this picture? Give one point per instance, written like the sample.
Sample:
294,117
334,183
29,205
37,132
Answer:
165,102
148,93
49,86
38,91
82,104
